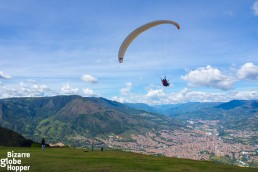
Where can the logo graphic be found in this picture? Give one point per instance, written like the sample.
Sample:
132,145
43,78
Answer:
13,162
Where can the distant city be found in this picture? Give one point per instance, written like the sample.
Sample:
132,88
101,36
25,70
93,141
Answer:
202,141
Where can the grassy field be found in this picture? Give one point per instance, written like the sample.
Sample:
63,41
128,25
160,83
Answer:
69,159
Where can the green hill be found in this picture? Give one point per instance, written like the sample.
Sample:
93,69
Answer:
68,159
11,138
73,119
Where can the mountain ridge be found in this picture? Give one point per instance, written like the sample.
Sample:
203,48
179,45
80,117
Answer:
64,118
235,114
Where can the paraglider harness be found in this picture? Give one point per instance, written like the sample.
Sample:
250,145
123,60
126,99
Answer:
165,82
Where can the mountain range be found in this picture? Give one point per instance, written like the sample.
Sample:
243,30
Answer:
235,114
74,119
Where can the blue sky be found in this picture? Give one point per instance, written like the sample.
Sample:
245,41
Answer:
57,47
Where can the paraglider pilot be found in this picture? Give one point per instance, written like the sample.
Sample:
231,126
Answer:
165,82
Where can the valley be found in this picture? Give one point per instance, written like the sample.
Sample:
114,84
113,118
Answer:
200,142
219,132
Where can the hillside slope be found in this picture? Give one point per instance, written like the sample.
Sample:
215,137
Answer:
67,159
11,138
74,118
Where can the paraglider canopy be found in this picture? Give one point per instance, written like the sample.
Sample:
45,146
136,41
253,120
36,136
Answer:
137,32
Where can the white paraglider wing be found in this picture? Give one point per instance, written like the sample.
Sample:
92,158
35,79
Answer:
138,31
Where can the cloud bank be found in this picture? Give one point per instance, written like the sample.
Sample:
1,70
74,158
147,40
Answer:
160,96
212,77
30,88
248,71
68,90
209,77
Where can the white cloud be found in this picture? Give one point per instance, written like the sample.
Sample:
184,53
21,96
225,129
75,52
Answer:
68,90
209,77
155,93
248,94
159,96
118,99
255,8
199,96
26,89
156,96
89,79
185,95
89,92
32,89
127,89
248,71
4,75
